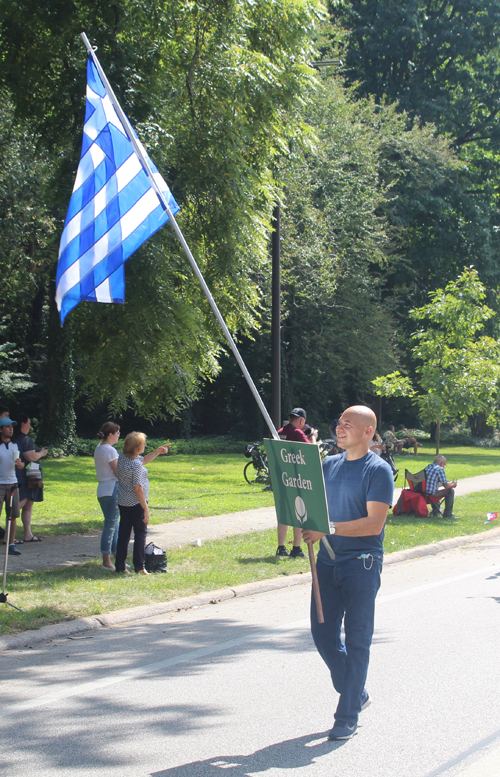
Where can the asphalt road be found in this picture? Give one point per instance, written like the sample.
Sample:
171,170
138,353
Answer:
236,688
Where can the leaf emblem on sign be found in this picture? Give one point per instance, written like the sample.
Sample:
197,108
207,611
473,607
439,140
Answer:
300,510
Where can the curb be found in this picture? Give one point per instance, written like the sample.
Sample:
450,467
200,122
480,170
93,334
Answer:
107,620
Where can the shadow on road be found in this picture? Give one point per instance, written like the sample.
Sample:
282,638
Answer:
291,754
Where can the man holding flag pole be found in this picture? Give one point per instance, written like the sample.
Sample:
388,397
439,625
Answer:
359,489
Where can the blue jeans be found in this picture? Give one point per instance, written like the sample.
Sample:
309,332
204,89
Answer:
109,507
348,592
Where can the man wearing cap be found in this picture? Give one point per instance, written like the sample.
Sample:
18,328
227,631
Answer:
359,489
293,431
8,477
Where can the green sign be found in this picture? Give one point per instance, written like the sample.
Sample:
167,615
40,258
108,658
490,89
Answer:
298,484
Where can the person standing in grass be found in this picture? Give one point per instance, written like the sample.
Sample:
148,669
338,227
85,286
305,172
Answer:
105,458
294,431
30,454
8,478
133,492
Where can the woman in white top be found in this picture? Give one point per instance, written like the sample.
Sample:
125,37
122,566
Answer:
105,458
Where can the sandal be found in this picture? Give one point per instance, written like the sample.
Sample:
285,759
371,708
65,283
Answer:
33,539
16,542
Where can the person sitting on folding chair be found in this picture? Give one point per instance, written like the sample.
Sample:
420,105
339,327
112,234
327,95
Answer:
435,477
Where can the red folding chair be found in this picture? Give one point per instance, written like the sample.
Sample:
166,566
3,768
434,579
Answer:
416,482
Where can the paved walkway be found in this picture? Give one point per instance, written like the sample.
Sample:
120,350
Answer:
75,548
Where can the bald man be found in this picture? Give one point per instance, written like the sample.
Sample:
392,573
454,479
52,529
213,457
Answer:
359,488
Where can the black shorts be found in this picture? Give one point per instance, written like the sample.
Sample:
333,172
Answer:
4,495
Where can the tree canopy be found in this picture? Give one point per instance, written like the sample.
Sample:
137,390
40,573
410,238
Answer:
386,168
458,366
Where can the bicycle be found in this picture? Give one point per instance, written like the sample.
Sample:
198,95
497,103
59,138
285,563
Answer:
256,472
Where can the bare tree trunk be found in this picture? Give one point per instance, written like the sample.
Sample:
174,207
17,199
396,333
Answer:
438,435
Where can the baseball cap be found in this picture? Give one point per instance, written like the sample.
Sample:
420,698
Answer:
7,422
298,411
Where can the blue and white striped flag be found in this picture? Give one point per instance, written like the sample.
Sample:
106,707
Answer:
113,209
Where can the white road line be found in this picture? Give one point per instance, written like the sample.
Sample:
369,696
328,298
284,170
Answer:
128,674
438,583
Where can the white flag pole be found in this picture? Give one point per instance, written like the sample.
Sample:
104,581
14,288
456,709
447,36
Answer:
139,151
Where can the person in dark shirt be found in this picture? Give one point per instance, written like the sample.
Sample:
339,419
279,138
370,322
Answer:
293,431
359,489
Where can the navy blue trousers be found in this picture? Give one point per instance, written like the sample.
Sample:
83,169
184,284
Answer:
348,592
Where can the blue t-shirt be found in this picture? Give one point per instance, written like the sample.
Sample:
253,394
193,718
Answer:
349,486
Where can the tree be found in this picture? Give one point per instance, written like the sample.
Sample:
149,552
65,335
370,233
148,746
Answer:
336,332
458,367
213,89
439,63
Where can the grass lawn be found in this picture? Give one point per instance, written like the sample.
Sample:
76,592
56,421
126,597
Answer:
462,462
406,531
86,589
180,487
201,485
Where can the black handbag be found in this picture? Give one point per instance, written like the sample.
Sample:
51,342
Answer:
156,558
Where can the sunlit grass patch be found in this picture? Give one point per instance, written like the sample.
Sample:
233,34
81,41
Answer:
181,487
86,589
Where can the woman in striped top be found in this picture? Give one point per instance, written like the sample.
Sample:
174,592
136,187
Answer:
133,492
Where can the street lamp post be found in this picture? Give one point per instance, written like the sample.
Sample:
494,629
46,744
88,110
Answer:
276,321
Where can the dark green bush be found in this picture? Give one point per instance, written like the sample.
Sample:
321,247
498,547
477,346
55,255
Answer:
189,447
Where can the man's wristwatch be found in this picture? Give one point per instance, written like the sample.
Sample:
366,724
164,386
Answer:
332,528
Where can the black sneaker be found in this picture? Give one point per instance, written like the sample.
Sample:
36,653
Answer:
282,551
342,731
13,551
366,700
297,553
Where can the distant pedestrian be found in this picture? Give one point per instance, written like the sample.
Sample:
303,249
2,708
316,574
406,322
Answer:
394,445
105,458
10,461
30,488
133,492
294,431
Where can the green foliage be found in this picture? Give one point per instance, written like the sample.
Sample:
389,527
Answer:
11,383
458,369
213,90
334,251
27,225
439,63
394,385
194,446
58,422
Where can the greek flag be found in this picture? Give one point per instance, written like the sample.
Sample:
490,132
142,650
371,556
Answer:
113,210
